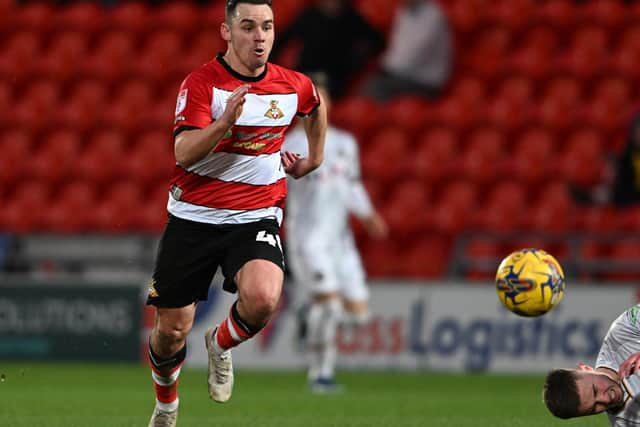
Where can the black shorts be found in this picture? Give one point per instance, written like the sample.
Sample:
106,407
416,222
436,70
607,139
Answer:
190,253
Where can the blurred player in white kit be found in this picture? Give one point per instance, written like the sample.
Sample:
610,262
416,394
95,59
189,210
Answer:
321,249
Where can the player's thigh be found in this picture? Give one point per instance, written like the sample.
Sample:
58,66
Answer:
254,259
186,262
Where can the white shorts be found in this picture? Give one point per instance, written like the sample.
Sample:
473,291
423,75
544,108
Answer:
333,268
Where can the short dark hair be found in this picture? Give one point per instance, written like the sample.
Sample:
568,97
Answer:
232,4
561,393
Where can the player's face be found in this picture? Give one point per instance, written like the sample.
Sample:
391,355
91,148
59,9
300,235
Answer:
598,392
250,38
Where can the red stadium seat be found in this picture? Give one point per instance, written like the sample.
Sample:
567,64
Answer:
426,258
158,57
182,17
582,162
630,37
406,208
86,17
37,16
513,14
151,159
516,89
63,56
101,161
628,219
502,209
541,36
587,53
610,14
597,219
152,215
533,156
559,107
465,15
406,112
118,210
447,217
532,61
459,193
56,158
71,209
482,156
111,58
357,114
379,258
610,106
133,17
83,106
201,48
36,105
627,253
129,101
433,157
386,154
552,210
212,14
469,89
23,212
18,54
488,52
625,61
560,14
16,148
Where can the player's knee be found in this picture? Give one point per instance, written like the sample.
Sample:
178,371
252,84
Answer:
265,302
173,335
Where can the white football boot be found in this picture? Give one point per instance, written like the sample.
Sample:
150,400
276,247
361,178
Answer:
220,376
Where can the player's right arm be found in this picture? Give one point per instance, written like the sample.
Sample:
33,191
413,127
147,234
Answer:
192,145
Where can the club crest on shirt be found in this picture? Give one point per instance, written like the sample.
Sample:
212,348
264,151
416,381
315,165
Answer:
181,104
152,288
274,112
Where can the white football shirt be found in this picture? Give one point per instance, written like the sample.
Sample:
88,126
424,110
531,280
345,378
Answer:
621,341
318,204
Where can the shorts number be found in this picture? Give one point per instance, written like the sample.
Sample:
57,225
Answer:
272,239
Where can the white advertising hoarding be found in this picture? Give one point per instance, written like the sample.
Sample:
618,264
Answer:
448,326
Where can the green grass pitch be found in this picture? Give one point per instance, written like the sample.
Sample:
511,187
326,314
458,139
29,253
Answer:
107,395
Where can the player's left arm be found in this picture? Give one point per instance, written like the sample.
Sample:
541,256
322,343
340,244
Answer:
315,127
359,202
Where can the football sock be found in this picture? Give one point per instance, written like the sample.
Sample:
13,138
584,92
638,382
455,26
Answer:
232,331
322,324
165,372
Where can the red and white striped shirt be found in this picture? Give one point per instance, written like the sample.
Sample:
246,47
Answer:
242,179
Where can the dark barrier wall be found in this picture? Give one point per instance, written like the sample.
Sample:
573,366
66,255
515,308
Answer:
45,321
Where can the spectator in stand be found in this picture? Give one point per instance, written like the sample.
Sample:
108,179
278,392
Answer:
335,39
418,57
626,183
620,182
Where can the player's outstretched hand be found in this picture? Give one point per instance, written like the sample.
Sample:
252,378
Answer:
234,106
295,165
630,366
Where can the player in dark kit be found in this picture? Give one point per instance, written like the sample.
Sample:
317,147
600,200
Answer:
226,198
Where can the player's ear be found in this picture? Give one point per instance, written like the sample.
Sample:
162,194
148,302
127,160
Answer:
584,367
225,32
